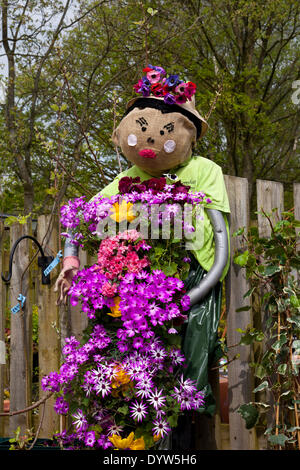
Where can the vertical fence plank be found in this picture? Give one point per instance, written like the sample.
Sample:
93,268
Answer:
49,343
297,201
240,379
269,196
297,211
21,334
2,329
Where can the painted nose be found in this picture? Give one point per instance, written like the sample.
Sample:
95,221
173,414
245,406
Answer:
150,140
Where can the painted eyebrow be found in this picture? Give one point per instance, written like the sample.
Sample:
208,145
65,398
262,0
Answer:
142,121
169,126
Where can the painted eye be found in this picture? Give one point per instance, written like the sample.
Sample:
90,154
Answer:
161,132
144,129
132,140
169,146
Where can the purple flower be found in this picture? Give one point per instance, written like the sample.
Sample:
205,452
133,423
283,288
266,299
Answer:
61,406
90,439
80,420
172,81
138,411
156,399
169,99
161,427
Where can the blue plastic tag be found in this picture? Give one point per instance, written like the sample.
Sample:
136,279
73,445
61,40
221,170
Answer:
17,307
53,263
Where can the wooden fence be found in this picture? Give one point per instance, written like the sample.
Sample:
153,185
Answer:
41,318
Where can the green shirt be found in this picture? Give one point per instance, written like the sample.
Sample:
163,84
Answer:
200,174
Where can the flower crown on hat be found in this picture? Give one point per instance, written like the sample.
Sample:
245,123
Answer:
171,88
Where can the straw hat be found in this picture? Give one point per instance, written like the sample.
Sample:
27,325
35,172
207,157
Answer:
188,107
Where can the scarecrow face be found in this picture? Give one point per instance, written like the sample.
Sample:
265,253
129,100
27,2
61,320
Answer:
154,141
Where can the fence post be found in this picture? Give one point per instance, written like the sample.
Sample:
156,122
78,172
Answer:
240,377
21,333
269,196
2,330
49,341
297,213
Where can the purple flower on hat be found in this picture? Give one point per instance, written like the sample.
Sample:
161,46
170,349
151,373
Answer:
146,82
169,99
158,69
172,80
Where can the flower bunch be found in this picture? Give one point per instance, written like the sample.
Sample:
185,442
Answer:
172,89
127,374
123,386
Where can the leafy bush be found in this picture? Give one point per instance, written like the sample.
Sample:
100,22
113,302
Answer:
271,266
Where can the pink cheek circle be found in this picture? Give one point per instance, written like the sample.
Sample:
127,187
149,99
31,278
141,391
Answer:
169,146
132,140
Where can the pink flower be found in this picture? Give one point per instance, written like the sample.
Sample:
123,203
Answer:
153,76
180,89
109,290
180,99
190,90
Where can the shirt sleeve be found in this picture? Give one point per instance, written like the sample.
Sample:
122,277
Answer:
210,180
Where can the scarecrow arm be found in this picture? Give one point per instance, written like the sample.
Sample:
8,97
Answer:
71,265
197,293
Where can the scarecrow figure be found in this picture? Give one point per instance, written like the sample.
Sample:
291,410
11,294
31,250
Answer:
157,134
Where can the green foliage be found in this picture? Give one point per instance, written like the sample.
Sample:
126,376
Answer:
270,265
21,442
77,92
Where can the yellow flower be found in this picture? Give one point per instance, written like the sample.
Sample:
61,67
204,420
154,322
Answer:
115,310
122,212
156,437
121,378
138,444
127,443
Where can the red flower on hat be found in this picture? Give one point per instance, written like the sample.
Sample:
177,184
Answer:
190,90
157,89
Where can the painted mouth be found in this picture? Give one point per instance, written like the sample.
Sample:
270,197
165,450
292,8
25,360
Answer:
147,153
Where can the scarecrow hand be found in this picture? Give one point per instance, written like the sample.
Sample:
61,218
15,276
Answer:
64,280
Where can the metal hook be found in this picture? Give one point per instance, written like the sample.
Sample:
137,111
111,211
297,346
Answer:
43,261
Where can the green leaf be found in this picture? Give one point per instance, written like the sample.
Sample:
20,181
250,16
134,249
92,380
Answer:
260,372
278,344
241,259
238,232
151,11
55,107
271,270
243,309
263,386
169,269
249,292
250,414
281,369
123,409
294,319
278,440
172,420
295,301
